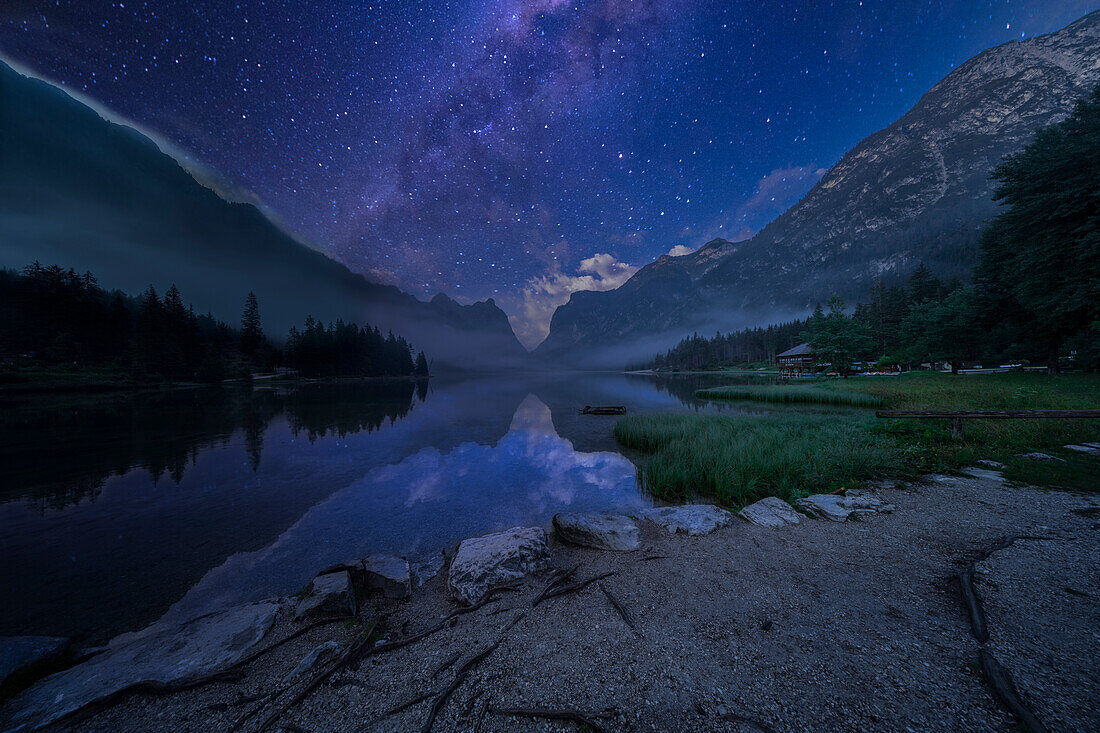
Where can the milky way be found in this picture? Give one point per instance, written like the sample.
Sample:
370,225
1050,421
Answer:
519,150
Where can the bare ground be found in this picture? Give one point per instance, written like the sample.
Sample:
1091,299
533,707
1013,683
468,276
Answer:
822,626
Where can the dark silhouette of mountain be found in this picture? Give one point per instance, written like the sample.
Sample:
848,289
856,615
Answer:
918,190
84,192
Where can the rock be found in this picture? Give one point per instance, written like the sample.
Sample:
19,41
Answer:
985,474
1090,449
770,511
991,464
1037,456
482,562
387,575
837,508
601,531
19,652
161,654
692,519
329,595
425,570
309,661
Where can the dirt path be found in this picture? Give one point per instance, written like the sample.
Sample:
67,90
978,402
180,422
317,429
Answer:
821,626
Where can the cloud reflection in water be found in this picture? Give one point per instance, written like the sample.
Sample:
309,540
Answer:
428,501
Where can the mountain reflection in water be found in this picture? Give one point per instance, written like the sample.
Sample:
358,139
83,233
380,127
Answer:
125,506
436,498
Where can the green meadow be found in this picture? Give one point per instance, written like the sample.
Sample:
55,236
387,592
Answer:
805,444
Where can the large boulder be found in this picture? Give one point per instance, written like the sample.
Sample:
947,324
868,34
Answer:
387,575
1089,449
162,654
771,511
19,652
600,531
482,562
837,508
692,519
329,595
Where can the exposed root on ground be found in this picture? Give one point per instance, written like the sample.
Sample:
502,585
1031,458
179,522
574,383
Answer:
460,677
627,619
566,715
556,579
994,672
561,590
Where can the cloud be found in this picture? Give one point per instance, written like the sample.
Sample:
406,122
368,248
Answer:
544,293
680,250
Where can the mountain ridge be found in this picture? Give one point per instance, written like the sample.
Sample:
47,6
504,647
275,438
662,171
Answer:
81,190
916,190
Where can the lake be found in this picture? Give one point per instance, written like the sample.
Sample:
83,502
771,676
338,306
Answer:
117,510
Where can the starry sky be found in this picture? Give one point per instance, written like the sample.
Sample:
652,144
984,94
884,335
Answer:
514,149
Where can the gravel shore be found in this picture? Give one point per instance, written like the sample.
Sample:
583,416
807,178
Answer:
821,626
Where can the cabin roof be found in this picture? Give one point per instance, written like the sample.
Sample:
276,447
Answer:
800,350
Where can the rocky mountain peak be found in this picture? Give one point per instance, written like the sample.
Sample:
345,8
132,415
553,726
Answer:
916,191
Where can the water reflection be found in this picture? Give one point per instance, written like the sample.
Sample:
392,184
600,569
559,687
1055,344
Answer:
58,452
435,498
126,506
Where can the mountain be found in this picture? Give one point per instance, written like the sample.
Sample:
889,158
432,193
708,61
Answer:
84,192
919,190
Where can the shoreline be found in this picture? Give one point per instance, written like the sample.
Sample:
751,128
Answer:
711,643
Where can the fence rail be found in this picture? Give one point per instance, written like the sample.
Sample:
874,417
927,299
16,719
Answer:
957,416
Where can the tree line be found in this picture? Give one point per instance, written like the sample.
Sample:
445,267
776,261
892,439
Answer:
1035,295
59,319
744,347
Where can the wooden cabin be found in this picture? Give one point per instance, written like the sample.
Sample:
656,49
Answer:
797,361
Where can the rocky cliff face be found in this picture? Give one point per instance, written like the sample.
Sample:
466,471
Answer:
918,190
83,192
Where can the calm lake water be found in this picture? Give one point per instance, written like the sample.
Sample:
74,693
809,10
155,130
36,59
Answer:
118,510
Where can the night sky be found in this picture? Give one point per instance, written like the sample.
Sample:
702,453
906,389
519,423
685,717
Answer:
509,148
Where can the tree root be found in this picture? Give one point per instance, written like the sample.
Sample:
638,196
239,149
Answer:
290,637
460,677
352,651
561,590
147,688
567,715
994,672
408,704
389,646
519,617
619,607
481,714
556,579
445,666
978,626
1001,682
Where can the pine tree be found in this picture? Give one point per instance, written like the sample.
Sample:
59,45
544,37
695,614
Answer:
252,335
1039,271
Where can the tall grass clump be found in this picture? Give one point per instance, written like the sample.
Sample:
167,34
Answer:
791,395
738,460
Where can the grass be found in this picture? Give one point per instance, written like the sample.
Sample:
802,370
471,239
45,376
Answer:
794,452
793,394
737,460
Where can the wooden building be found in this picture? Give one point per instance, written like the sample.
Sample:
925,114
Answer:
799,360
